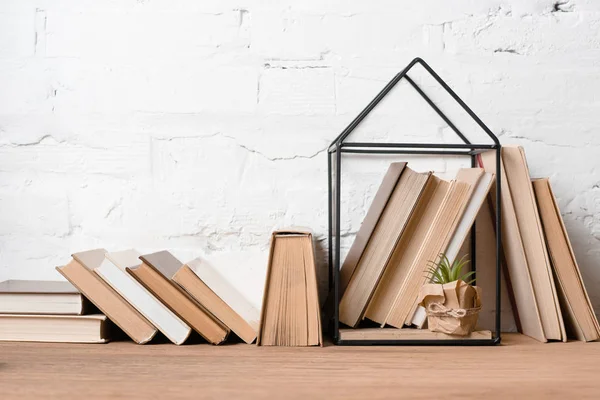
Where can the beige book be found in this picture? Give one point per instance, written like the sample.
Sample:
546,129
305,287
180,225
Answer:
407,250
534,244
155,273
54,328
519,276
384,192
208,287
381,244
485,252
80,272
407,334
436,241
481,183
40,297
113,271
577,308
290,314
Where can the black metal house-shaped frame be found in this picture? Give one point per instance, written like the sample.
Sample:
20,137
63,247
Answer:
334,161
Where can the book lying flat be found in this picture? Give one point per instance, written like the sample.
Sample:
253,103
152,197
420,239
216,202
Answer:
577,308
80,272
407,334
208,287
529,319
481,183
54,328
407,250
113,271
379,249
155,273
40,297
290,313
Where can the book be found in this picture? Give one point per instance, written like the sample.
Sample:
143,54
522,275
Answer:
155,273
485,253
440,235
527,314
290,314
80,272
530,227
40,297
377,253
54,328
208,287
577,308
407,250
113,271
385,190
435,243
407,334
481,182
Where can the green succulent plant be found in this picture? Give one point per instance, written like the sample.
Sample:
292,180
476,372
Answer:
442,272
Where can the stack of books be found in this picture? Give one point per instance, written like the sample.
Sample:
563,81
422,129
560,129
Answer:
414,217
141,294
46,311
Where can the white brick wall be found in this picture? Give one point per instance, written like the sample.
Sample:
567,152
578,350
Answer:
201,126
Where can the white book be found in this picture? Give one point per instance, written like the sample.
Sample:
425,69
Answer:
226,291
113,271
462,231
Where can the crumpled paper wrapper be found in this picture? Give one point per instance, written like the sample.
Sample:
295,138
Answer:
452,308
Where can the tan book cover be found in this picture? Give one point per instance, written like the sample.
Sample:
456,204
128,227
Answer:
208,287
481,183
407,334
155,273
516,262
381,244
485,251
407,250
79,272
530,227
577,308
290,314
436,241
41,297
54,328
385,190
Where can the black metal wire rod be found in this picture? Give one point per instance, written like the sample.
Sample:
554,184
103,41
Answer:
436,109
421,145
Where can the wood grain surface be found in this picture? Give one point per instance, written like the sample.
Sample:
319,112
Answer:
520,367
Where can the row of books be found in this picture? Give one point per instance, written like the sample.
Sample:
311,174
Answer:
141,294
146,294
414,217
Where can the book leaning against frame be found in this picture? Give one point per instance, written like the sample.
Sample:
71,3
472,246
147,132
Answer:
578,312
392,221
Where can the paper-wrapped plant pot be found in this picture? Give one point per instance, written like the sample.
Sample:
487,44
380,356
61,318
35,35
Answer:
452,308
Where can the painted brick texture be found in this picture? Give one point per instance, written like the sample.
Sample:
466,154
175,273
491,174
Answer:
202,126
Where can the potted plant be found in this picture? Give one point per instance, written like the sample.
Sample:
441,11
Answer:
451,303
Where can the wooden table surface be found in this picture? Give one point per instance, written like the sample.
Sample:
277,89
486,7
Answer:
520,367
